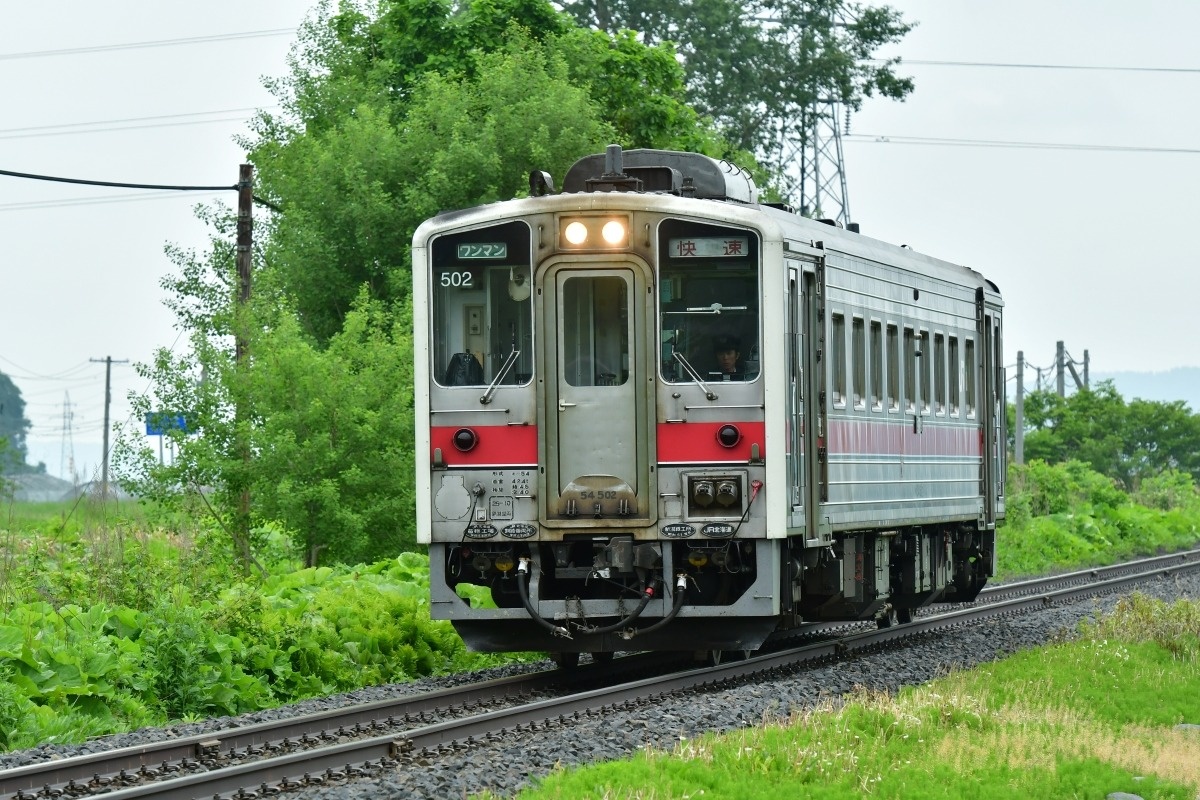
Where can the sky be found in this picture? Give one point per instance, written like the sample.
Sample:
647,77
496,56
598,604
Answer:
1090,242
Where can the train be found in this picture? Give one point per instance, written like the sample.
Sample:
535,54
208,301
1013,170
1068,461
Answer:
655,413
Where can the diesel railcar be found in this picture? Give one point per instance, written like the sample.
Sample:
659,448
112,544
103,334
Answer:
654,413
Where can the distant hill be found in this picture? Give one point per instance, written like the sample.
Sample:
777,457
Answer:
1181,383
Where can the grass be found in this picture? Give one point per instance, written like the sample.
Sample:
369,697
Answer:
1082,718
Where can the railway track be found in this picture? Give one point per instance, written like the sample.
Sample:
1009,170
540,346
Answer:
344,744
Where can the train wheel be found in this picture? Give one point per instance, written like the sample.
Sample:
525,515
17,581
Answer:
886,620
714,658
565,660
904,615
602,658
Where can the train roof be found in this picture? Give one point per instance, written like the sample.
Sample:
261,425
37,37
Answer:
683,174
694,175
689,177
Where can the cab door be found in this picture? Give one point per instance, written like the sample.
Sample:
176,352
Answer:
596,434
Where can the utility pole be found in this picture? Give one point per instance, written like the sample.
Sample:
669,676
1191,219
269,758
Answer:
245,247
108,362
1062,363
1059,363
1019,424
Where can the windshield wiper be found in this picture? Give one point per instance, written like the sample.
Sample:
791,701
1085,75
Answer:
508,365
715,308
678,356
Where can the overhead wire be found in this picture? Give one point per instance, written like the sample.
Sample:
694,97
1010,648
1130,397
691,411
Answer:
865,138
105,48
108,126
155,190
1002,65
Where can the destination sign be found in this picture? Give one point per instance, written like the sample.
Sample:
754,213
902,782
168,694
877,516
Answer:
482,250
709,247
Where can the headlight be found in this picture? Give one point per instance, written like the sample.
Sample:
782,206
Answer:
594,232
613,232
575,232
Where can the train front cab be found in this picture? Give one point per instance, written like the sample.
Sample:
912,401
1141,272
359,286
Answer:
587,466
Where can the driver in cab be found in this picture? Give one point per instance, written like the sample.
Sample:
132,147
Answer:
727,351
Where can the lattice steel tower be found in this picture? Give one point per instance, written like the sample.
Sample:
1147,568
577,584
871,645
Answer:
819,167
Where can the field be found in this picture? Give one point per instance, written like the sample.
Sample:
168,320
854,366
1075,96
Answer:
117,616
1117,709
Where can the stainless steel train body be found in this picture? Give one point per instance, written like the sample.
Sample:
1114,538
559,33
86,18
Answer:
579,454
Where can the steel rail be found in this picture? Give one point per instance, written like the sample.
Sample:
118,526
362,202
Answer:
202,751
374,754
120,766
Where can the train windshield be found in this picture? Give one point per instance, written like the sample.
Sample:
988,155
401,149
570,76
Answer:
709,302
482,311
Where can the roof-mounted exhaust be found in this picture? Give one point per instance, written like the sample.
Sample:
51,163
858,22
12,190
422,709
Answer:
666,171
614,178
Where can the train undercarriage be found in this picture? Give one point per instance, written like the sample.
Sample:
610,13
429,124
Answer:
604,593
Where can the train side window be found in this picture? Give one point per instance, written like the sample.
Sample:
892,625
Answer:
970,373
876,388
955,377
858,361
910,369
923,369
837,359
939,373
893,367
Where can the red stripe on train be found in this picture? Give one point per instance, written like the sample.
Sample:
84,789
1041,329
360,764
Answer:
696,442
499,445
875,437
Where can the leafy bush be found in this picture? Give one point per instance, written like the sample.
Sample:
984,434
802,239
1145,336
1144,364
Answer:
1169,490
1067,516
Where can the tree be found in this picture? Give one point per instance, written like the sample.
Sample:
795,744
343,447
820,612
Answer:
13,427
758,68
381,135
354,193
1126,442
424,107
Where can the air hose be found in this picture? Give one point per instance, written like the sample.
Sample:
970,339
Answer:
523,590
676,607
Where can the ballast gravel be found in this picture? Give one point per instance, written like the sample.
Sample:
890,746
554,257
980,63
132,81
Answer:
506,767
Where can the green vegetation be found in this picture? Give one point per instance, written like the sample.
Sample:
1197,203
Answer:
758,68
118,616
1078,719
1125,441
13,427
110,623
1066,516
393,112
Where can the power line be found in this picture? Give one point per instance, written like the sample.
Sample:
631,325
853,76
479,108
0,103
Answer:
37,205
105,126
105,48
999,65
117,184
864,138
